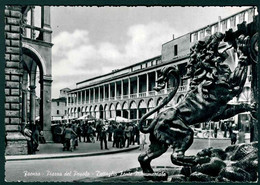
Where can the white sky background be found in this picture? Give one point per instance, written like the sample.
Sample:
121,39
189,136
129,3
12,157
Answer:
91,41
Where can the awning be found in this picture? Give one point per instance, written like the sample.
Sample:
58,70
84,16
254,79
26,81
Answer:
120,119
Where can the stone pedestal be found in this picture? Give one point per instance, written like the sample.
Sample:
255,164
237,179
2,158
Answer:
16,145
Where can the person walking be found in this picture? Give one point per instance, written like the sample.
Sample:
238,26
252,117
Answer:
115,137
127,135
110,132
137,134
215,131
233,135
120,136
79,130
69,136
103,136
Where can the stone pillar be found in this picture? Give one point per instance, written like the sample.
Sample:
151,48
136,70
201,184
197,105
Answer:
104,93
156,77
16,142
99,95
32,104
24,107
129,87
46,104
137,91
32,23
67,105
109,93
147,84
128,113
81,96
122,90
45,23
89,94
115,90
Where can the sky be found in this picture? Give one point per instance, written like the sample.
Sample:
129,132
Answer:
91,41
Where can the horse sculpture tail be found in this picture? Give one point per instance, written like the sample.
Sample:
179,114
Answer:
166,73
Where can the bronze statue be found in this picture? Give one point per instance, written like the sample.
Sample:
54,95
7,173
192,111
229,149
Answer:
212,86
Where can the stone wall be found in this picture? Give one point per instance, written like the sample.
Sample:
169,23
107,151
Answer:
16,142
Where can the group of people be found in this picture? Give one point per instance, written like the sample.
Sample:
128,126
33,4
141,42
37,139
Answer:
121,134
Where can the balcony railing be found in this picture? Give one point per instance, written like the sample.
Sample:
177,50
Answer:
151,93
143,94
112,98
181,89
133,95
33,32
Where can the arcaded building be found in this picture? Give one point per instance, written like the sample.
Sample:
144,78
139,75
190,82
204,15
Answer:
28,45
128,92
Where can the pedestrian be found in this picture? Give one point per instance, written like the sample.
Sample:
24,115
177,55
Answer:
127,135
84,132
98,129
110,131
215,131
103,136
233,135
115,137
120,136
69,136
225,129
79,130
35,135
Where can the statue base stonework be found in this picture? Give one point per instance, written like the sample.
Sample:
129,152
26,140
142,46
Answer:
237,163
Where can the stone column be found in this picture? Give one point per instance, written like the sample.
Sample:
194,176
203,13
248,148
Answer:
104,92
32,23
109,93
99,94
128,113
147,84
32,104
94,94
115,90
81,96
46,104
129,87
89,94
156,77
137,91
67,105
45,23
122,90
85,96
24,107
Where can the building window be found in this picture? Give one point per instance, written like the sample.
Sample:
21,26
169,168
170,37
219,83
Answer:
175,50
58,112
58,103
65,112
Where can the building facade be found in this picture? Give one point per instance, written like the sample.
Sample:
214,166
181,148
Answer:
128,92
27,54
59,106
